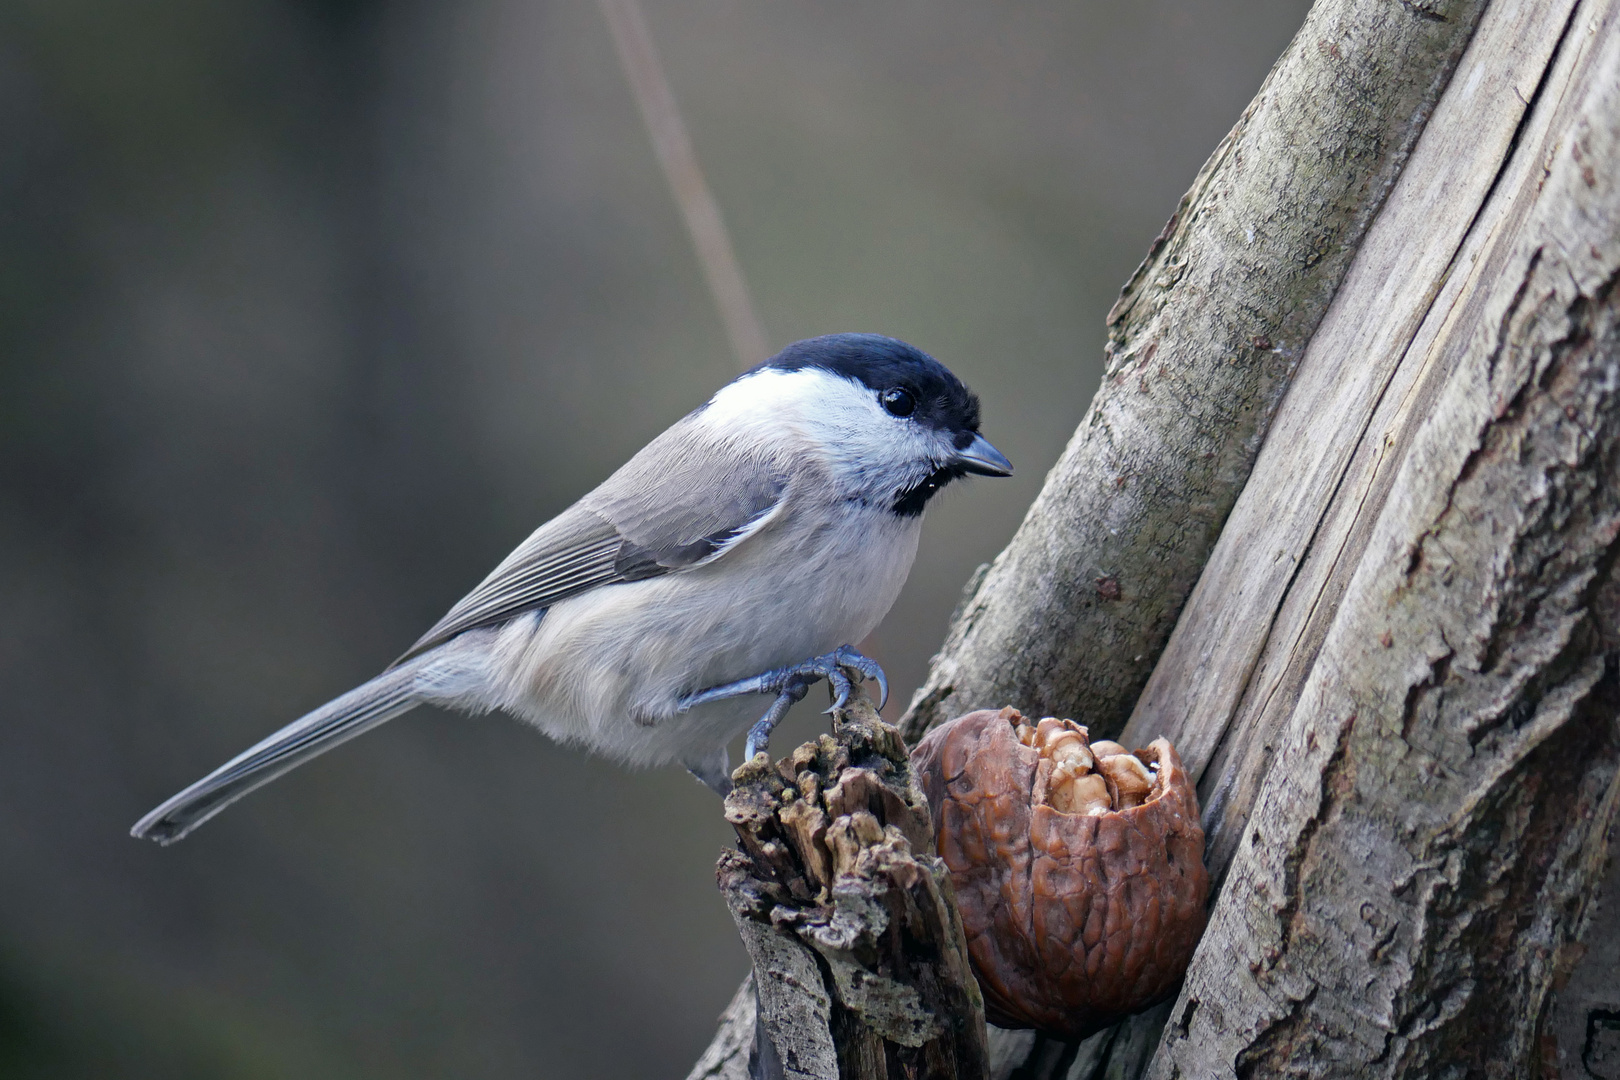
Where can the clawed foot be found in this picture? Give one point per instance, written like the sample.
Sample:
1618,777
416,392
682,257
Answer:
842,668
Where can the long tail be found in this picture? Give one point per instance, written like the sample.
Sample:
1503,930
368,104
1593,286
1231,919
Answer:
395,691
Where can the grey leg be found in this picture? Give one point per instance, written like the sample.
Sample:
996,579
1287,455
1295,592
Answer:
790,684
759,736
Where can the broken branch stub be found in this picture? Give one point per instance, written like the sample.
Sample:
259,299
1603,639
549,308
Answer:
860,961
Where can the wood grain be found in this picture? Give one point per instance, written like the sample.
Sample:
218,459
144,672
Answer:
1072,615
1237,658
1420,863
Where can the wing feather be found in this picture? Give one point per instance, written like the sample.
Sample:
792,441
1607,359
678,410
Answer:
683,501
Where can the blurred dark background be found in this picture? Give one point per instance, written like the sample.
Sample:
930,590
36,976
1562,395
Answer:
311,309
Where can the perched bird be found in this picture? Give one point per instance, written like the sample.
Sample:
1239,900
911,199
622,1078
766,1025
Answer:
739,554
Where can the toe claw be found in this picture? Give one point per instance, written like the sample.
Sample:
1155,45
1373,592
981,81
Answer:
842,687
866,668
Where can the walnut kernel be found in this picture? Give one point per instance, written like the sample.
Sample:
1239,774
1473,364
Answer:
1077,866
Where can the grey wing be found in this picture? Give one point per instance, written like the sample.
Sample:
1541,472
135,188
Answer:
683,501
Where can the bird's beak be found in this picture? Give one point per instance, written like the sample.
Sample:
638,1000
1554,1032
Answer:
980,457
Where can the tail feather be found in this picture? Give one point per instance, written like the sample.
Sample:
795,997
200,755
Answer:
388,695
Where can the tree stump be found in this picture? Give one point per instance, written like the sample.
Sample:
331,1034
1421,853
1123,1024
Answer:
860,963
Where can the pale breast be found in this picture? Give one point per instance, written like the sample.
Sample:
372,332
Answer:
606,668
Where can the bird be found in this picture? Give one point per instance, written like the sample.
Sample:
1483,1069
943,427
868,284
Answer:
738,555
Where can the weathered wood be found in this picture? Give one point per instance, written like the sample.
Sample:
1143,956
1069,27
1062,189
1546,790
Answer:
1583,1025
1255,622
727,1056
1072,615
1233,668
1415,874
859,957
1425,869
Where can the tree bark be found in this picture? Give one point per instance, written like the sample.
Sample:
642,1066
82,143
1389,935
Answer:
1236,660
1072,615
1389,351
1399,672
1419,862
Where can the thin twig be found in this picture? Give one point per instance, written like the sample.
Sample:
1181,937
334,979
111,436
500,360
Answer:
673,146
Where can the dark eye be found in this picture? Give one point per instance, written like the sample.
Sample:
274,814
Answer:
898,402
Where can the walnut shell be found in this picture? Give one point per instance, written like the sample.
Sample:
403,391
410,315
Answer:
1073,921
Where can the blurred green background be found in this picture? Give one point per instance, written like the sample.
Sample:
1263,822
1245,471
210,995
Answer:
311,309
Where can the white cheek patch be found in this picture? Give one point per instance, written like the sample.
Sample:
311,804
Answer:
860,436
869,452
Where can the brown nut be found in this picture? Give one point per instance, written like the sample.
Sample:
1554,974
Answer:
1077,911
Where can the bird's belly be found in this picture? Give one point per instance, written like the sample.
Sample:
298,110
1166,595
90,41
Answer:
608,668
